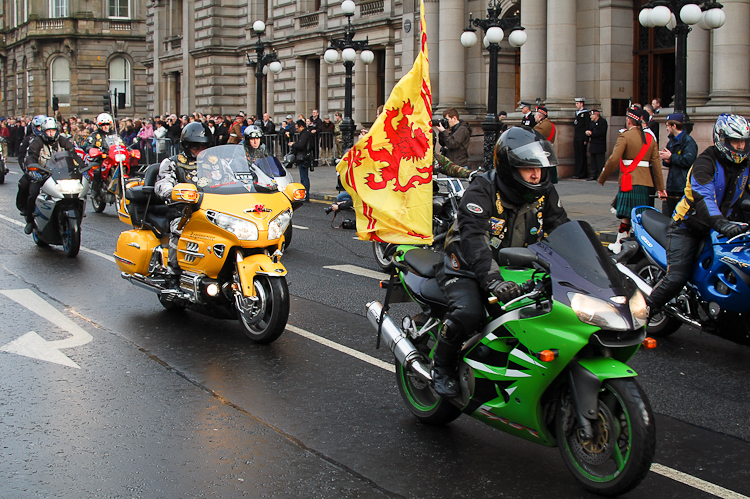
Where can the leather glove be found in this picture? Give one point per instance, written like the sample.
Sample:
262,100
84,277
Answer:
504,290
728,228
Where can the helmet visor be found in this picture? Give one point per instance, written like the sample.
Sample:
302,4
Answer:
538,154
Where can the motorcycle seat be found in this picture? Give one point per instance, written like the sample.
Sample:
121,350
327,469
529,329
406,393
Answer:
149,178
423,261
656,224
432,292
157,222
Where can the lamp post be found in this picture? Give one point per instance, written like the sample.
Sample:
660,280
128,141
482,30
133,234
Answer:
349,48
263,63
707,15
493,26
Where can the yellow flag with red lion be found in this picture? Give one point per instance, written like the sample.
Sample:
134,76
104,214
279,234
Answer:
388,172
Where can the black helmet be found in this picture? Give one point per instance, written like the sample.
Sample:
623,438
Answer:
522,147
193,134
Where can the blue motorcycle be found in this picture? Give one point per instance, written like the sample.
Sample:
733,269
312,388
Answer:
716,298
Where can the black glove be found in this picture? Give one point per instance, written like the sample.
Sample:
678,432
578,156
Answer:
504,290
728,228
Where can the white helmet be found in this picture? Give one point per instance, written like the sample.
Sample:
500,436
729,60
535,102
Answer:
104,119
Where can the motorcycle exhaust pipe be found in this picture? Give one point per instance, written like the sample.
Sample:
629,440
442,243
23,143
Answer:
141,282
402,348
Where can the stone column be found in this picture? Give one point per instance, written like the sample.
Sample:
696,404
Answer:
323,109
299,87
698,66
158,42
188,62
390,69
534,51
432,20
561,53
731,66
452,86
359,89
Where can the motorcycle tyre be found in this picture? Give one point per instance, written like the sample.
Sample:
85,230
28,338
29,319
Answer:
3,173
71,237
423,402
628,396
276,312
97,202
665,325
382,257
38,240
287,237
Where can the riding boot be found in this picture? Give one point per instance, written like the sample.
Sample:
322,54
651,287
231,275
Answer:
444,379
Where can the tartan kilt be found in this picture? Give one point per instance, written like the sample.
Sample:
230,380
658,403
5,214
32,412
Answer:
626,201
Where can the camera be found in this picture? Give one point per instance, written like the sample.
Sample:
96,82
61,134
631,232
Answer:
328,209
441,121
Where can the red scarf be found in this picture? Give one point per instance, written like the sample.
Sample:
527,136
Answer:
626,184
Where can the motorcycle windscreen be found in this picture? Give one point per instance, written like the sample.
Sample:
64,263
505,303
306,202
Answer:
226,170
271,166
64,165
577,244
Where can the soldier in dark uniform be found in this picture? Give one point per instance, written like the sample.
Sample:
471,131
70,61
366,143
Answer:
528,116
176,170
581,123
597,133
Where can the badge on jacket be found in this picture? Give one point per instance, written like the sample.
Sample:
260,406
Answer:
497,225
181,158
474,208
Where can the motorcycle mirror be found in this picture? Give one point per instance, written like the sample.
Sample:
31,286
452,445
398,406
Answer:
94,152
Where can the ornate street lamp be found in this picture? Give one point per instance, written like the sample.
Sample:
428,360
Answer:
263,63
493,27
707,15
349,48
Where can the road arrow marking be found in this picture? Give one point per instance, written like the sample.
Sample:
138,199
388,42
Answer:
34,346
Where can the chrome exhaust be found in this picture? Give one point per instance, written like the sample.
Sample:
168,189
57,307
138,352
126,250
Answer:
402,348
141,281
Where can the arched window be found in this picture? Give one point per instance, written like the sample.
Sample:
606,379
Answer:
119,78
60,80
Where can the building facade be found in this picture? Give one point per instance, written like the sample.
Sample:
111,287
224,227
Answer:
595,49
72,52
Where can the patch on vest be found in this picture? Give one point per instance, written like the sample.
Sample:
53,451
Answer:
474,208
454,261
498,204
534,231
181,158
203,182
497,225
495,242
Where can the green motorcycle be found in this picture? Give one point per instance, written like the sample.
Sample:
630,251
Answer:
550,366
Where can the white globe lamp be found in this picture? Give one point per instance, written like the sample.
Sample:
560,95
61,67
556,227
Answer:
259,26
660,15
367,56
495,34
331,56
349,54
348,7
691,14
468,39
517,38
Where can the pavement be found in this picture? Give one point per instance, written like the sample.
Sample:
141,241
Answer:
582,199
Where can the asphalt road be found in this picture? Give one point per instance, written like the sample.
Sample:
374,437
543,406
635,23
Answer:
181,405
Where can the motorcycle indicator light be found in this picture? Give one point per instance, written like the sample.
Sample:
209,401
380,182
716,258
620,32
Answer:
649,343
135,153
299,194
547,355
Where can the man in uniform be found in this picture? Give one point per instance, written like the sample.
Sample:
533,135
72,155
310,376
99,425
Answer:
597,133
548,131
581,124
528,116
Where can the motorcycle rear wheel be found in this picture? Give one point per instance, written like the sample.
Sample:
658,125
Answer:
659,325
383,255
71,236
264,321
620,454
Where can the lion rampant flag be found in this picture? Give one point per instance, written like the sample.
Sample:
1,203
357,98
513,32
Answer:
389,171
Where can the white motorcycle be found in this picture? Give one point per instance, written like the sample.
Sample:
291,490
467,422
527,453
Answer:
61,201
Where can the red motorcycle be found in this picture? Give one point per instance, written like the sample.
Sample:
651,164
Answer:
114,169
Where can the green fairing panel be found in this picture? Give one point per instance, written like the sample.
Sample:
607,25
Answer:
607,368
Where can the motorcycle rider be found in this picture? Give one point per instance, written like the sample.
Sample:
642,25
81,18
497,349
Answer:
513,205
253,147
40,150
175,170
98,139
714,187
23,184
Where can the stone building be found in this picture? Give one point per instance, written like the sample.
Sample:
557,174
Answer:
74,50
198,59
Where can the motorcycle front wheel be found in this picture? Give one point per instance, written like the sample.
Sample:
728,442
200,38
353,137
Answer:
98,201
3,172
419,397
383,255
660,325
264,319
71,236
287,237
37,240
619,455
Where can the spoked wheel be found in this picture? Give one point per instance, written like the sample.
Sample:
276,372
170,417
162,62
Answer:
419,397
98,201
660,325
621,451
383,253
71,236
264,319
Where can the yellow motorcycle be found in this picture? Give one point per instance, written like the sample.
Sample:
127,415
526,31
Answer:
233,226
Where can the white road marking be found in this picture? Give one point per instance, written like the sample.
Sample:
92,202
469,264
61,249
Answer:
659,469
341,348
353,269
13,221
696,483
34,346
101,255
302,227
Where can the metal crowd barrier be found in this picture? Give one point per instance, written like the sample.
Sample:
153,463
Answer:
325,151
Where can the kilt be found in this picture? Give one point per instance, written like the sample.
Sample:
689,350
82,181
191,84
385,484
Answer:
626,201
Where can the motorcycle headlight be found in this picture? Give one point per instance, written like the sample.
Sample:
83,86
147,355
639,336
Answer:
243,229
597,312
69,186
278,225
639,309
120,157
